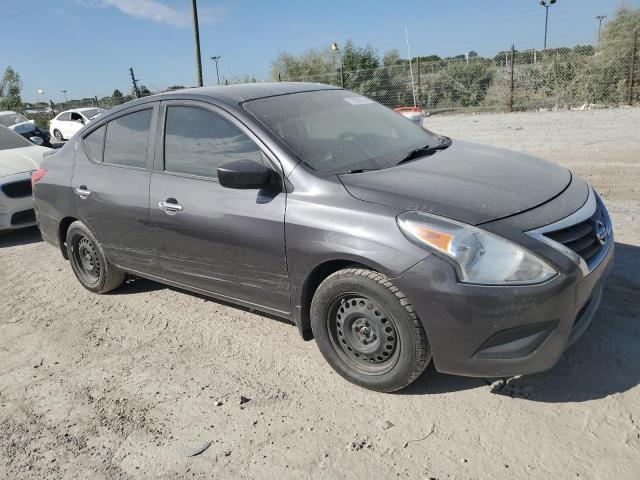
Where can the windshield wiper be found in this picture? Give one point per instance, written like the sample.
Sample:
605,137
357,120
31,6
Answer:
425,151
359,170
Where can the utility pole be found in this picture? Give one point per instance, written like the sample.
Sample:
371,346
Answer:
136,90
600,18
546,4
632,72
65,96
215,59
511,80
196,34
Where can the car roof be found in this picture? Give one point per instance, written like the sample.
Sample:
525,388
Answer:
8,112
231,96
234,95
243,92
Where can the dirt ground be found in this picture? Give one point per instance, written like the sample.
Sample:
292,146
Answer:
130,384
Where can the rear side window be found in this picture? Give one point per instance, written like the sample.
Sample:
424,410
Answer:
94,143
198,141
127,139
64,116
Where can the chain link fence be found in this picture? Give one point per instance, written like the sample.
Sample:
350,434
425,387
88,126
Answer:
512,82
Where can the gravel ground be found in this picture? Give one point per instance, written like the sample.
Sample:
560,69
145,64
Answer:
130,384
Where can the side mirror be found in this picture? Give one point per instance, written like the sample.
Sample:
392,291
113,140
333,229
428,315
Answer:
244,174
36,140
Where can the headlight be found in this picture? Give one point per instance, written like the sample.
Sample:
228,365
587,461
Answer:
480,257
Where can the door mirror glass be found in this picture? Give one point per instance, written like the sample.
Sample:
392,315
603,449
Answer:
36,140
244,174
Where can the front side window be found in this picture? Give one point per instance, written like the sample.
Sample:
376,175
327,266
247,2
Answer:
198,141
94,143
75,116
127,139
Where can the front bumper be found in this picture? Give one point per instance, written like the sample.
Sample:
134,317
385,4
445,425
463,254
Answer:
16,211
496,331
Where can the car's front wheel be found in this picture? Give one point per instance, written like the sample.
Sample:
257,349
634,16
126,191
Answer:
88,261
368,331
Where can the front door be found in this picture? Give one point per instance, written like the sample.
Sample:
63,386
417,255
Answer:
111,183
225,241
74,126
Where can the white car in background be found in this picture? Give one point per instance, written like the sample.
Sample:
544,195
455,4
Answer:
18,159
67,123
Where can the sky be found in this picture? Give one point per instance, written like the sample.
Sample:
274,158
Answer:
87,46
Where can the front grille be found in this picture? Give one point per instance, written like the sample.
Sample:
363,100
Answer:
18,189
25,216
581,237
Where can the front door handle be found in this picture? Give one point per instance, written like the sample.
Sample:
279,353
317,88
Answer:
170,206
82,192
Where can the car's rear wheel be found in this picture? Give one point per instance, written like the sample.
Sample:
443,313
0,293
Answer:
91,267
58,134
368,331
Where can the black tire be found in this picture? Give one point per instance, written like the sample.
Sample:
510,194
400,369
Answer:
91,267
368,331
58,134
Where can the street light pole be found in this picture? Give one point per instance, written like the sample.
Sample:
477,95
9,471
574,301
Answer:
215,59
546,4
65,96
600,18
196,34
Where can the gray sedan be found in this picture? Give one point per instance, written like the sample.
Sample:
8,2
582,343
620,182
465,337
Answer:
390,245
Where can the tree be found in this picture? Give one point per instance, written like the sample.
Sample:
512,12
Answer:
144,91
308,64
117,94
608,81
10,89
617,34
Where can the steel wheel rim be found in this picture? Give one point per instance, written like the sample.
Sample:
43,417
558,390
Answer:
86,259
363,334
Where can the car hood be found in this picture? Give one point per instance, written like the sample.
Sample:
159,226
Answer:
23,127
18,160
467,182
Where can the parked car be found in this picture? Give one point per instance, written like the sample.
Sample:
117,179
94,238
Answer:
66,124
19,158
23,126
389,244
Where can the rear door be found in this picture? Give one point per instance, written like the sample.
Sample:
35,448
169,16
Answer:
111,184
225,241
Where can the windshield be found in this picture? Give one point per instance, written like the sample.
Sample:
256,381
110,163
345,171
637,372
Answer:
9,139
93,112
337,131
12,118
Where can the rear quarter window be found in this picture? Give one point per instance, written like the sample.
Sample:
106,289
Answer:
127,139
94,143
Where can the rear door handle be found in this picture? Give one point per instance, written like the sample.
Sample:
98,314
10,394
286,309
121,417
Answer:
170,206
82,192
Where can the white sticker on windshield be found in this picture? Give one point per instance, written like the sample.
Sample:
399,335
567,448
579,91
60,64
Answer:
358,100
